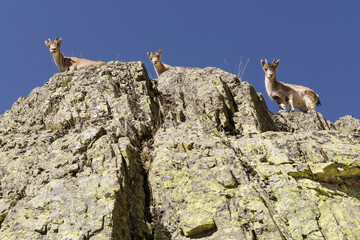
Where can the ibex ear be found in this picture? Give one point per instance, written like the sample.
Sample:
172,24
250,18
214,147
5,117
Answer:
60,40
262,63
159,51
46,43
277,63
148,54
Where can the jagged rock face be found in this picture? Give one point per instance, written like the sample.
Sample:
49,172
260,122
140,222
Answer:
70,165
348,124
106,153
268,176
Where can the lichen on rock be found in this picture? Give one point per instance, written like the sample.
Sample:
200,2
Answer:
107,153
69,169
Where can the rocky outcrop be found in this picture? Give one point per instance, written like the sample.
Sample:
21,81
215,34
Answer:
273,176
348,124
107,153
70,161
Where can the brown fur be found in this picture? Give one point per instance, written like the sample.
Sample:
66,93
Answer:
68,63
288,95
159,66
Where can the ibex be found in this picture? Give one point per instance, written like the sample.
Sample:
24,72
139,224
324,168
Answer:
68,63
288,95
159,66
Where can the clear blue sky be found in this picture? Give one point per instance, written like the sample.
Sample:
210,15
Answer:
318,42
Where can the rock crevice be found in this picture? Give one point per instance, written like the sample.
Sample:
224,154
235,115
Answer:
107,153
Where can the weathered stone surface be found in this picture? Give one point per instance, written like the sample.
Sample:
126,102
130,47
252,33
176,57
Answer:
299,122
106,153
348,124
273,176
69,165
